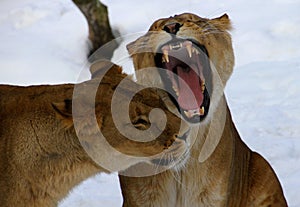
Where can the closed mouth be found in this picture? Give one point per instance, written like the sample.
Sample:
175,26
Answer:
187,77
172,157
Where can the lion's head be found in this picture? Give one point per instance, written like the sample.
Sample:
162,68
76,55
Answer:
193,59
136,132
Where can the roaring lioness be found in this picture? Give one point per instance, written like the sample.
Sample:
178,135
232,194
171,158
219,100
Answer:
193,57
41,157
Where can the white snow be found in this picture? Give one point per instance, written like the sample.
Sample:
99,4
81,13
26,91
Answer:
45,42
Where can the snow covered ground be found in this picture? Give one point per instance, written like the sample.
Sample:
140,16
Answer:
46,42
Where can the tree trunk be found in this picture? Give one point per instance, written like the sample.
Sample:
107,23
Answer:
99,28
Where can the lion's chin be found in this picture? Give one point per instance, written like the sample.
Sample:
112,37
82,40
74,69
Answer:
187,77
172,163
177,155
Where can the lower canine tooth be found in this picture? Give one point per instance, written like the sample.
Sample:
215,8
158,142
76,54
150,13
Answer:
176,90
187,114
202,111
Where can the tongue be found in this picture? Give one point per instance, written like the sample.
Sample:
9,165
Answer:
190,94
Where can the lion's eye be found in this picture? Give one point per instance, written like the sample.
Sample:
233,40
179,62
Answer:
141,122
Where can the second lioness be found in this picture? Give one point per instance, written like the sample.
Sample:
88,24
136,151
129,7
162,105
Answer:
41,157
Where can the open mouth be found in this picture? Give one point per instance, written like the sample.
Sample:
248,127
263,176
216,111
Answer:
187,76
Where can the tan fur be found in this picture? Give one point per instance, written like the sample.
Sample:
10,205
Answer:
219,172
41,158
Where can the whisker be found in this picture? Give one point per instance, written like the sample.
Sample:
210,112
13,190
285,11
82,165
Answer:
158,165
175,174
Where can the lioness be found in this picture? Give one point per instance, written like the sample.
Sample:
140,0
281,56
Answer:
195,58
41,157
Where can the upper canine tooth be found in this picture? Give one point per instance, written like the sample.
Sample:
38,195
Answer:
166,55
203,86
189,49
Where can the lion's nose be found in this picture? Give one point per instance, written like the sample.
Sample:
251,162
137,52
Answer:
172,27
184,136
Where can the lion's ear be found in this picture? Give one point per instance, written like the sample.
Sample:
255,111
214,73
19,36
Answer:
223,22
63,112
99,68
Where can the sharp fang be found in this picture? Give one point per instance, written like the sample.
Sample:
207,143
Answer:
189,49
203,88
166,55
202,110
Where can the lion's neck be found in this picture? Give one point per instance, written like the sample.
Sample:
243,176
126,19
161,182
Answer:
64,165
211,151
207,137
218,146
